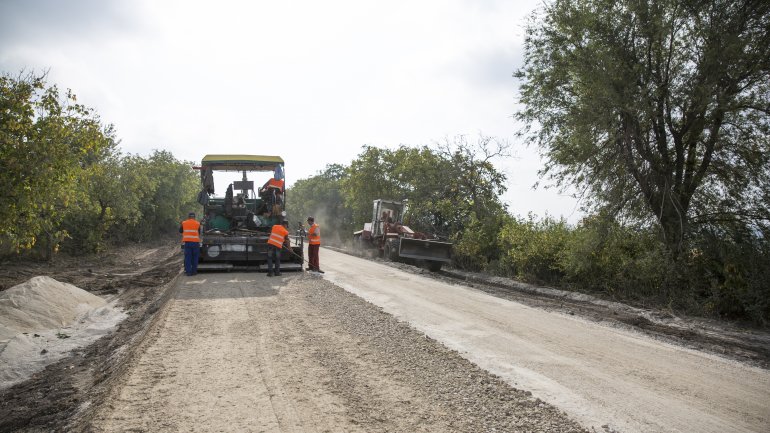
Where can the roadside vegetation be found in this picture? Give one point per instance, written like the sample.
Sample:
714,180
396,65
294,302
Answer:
66,185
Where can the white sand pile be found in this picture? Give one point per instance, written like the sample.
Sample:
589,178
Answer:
43,320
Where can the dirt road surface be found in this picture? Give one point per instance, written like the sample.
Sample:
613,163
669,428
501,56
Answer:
244,352
604,377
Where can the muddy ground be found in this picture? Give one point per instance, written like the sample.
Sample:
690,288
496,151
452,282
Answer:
65,396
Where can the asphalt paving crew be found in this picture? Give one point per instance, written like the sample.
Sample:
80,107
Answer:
191,238
314,245
279,235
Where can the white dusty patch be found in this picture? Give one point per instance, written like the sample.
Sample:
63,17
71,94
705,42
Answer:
42,320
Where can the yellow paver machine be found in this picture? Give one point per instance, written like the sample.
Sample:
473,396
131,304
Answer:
236,226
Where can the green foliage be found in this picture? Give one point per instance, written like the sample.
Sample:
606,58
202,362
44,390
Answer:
478,246
48,144
66,183
130,198
446,187
320,196
657,110
605,256
724,273
728,268
532,249
373,175
171,188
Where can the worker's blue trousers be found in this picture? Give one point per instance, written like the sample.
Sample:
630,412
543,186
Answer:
273,257
192,251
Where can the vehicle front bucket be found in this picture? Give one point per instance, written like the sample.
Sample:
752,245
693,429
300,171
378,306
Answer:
426,250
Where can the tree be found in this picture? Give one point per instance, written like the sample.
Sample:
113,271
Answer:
108,209
473,177
171,190
371,176
321,197
656,110
447,187
48,142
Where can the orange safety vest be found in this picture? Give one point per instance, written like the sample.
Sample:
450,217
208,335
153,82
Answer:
314,235
190,229
277,236
275,183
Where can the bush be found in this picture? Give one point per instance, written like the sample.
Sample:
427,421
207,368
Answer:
478,246
532,250
605,256
724,273
728,270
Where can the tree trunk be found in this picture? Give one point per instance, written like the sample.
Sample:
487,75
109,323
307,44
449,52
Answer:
674,228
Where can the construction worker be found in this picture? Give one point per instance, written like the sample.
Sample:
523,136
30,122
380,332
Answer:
273,183
191,230
272,195
314,244
279,236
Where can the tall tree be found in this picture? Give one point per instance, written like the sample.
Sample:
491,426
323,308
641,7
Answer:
371,176
446,187
47,142
656,109
171,188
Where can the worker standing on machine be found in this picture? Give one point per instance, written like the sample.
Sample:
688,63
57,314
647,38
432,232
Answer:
272,195
314,244
191,230
279,235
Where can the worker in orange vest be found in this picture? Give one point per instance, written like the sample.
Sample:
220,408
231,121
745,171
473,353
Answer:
272,195
314,244
273,183
190,230
279,236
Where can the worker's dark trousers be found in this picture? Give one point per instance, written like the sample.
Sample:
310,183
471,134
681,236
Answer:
273,254
312,259
192,251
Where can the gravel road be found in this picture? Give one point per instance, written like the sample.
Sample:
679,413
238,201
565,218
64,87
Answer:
604,377
409,351
244,352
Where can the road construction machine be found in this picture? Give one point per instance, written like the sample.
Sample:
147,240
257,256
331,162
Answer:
391,239
236,226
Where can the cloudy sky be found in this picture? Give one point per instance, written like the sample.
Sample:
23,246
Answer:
311,81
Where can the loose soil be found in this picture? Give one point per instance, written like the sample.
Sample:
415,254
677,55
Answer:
63,395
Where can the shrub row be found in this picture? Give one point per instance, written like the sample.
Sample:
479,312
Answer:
723,273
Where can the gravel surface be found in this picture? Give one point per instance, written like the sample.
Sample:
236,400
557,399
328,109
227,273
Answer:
320,358
297,353
466,398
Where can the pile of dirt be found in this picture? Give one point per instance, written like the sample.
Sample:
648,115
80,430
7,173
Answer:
137,279
43,320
